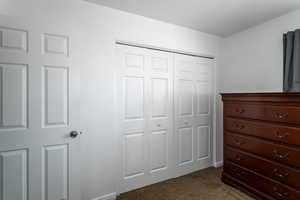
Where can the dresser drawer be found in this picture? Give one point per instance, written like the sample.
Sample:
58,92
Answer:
263,112
274,189
273,170
275,132
280,153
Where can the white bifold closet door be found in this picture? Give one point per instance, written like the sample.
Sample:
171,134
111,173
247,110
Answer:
151,144
145,116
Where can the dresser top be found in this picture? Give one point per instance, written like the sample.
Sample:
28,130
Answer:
263,94
263,97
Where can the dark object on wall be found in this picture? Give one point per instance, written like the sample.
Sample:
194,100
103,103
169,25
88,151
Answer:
262,144
291,61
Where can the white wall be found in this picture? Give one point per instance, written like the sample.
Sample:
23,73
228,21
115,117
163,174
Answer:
252,60
95,29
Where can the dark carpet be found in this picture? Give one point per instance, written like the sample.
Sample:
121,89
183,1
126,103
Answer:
202,185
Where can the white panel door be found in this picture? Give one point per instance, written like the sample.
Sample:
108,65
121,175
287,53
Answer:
145,116
38,110
160,118
192,113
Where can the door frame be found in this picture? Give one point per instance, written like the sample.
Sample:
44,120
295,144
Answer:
117,76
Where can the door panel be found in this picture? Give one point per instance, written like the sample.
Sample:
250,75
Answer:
158,150
38,109
13,87
134,155
134,98
203,141
186,97
14,174
185,145
160,110
146,116
13,39
132,118
203,98
160,87
55,172
192,113
55,102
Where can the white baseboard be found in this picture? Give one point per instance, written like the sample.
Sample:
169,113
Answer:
111,196
218,164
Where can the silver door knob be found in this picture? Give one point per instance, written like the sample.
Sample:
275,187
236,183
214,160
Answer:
74,134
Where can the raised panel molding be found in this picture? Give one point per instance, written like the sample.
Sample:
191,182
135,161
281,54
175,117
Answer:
134,155
55,96
13,39
159,64
203,103
134,62
55,44
13,96
185,145
186,97
134,98
14,175
158,150
160,97
55,172
203,141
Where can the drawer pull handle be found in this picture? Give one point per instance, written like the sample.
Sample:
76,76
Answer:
280,115
240,110
284,194
239,158
281,135
239,126
240,174
279,155
280,175
237,173
238,142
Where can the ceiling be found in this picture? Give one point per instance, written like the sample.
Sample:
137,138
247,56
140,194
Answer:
218,17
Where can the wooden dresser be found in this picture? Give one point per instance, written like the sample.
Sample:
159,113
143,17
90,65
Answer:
262,144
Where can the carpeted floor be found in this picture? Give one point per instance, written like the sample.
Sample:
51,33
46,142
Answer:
202,185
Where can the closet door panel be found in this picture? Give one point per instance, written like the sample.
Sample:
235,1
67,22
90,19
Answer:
146,116
192,112
132,117
160,115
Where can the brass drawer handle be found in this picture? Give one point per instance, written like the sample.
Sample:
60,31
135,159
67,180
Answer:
239,126
280,115
239,142
281,135
240,174
237,173
280,175
239,158
239,110
281,195
279,155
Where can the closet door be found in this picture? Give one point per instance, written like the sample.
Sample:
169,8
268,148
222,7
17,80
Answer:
145,116
192,113
160,115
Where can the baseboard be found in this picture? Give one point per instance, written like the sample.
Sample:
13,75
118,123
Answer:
218,164
111,196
